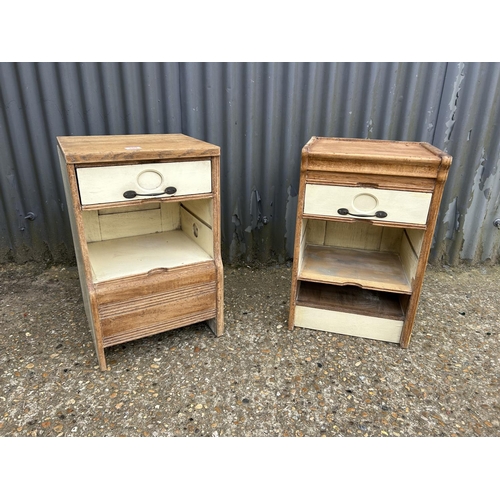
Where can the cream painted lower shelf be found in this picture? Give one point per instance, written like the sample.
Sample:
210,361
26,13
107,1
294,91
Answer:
357,325
122,257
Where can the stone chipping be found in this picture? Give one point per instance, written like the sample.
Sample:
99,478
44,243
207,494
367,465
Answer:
259,378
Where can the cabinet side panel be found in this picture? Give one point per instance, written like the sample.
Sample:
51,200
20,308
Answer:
201,209
170,216
91,224
84,272
416,237
391,239
409,259
315,231
197,232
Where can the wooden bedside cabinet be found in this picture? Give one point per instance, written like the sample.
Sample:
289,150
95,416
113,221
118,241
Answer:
366,215
145,218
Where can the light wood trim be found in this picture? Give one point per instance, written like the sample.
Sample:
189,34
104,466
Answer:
216,324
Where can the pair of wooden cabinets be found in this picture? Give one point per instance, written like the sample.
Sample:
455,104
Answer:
145,218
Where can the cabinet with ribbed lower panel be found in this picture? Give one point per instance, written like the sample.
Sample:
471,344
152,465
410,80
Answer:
144,212
366,213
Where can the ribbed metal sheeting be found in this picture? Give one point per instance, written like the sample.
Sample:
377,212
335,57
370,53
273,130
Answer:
261,115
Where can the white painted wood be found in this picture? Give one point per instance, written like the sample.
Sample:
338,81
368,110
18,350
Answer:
203,209
197,232
409,259
361,236
416,237
170,216
303,242
122,257
356,325
315,231
391,239
134,223
91,225
401,206
107,184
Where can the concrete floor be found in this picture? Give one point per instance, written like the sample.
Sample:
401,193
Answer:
259,379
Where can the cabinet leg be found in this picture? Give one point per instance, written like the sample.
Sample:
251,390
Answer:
102,359
217,324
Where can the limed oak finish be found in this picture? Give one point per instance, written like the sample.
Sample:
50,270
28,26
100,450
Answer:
366,215
145,218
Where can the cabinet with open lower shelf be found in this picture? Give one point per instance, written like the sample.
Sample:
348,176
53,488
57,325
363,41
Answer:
144,213
365,218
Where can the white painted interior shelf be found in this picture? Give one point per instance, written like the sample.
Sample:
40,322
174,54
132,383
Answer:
118,258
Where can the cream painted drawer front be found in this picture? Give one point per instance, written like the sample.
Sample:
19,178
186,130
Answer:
108,184
400,206
355,325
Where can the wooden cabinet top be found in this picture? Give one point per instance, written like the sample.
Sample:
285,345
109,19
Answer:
389,157
373,149
117,148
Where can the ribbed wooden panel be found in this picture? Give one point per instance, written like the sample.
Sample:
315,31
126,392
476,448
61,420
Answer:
166,298
158,328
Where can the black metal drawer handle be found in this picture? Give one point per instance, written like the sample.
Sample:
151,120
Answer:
133,194
381,214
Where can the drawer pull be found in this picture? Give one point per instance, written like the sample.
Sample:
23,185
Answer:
380,214
133,194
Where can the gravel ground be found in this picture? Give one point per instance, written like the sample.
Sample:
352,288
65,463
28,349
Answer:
259,379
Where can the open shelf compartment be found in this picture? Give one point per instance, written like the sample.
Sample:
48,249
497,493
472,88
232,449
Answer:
350,310
360,254
128,241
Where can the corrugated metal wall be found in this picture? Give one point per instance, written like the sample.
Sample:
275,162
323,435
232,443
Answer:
260,114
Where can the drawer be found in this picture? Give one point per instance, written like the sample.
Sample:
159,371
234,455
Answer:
117,183
405,207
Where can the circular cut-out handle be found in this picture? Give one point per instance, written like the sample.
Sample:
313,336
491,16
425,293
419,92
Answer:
365,202
149,179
